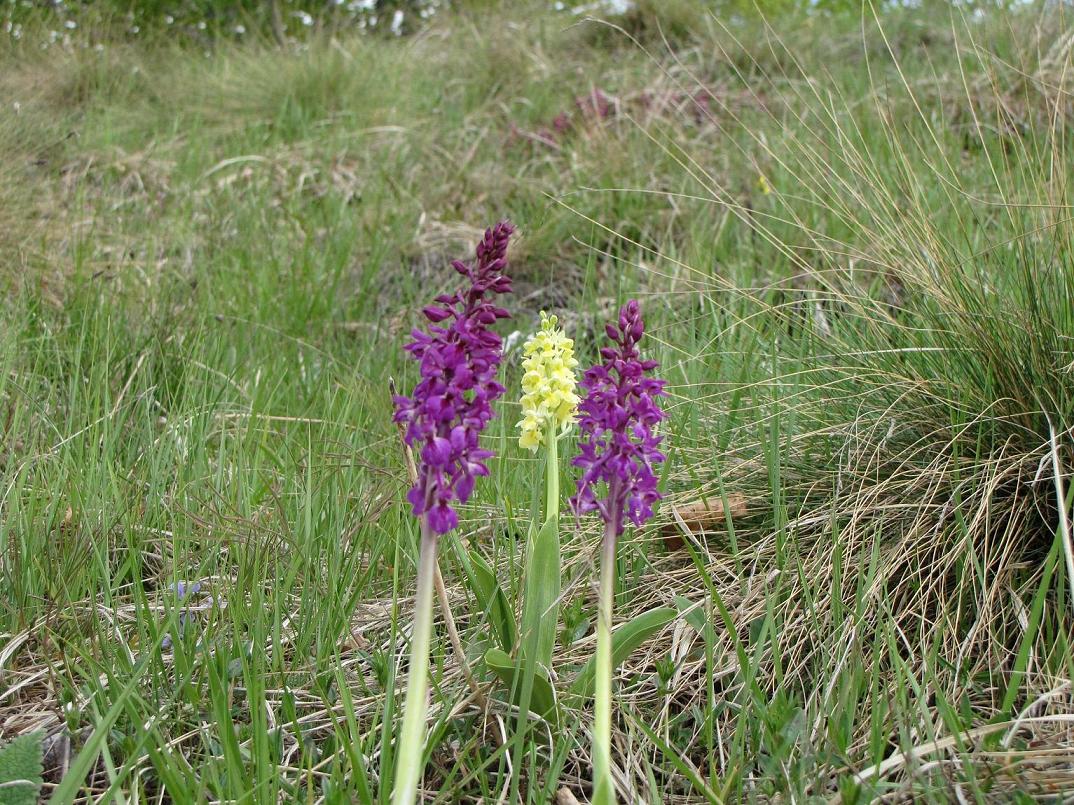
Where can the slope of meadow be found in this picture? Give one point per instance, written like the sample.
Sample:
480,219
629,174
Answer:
852,239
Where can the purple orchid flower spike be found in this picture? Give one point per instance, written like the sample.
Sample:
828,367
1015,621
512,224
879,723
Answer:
450,406
616,419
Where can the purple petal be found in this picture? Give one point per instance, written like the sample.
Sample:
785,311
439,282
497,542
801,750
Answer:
434,313
442,518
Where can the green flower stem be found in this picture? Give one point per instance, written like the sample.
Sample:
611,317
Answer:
551,495
411,747
604,789
541,589
438,578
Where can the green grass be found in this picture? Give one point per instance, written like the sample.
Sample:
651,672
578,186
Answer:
212,255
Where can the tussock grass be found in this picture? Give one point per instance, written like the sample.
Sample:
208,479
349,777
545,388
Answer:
851,236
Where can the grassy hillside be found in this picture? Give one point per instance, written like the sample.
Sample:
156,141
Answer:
851,236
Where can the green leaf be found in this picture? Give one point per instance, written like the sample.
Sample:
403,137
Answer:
20,770
695,617
543,697
625,640
540,610
540,617
493,602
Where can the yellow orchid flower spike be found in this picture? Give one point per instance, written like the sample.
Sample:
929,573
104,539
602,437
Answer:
549,401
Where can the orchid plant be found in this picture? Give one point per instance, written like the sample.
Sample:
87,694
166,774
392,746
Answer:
459,356
617,454
549,406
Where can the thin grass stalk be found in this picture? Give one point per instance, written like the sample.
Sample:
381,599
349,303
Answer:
410,750
551,495
1061,504
456,641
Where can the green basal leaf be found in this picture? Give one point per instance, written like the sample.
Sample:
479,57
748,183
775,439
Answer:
540,610
492,600
540,617
695,617
625,640
543,695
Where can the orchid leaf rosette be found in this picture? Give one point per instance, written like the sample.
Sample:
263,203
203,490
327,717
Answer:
618,452
459,356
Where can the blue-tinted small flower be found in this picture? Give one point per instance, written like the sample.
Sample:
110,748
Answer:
184,588
185,592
